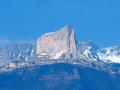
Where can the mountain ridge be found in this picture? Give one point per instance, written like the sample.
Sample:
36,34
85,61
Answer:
87,50
59,47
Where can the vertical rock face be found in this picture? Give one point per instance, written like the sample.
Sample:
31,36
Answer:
55,44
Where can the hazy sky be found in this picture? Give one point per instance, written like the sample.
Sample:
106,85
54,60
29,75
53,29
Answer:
95,20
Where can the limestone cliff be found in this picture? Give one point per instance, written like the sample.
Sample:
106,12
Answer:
55,44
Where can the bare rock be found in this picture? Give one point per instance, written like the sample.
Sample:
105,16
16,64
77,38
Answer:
55,44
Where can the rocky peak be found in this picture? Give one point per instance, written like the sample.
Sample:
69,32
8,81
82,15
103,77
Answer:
55,44
88,49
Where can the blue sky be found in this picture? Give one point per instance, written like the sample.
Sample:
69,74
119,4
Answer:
95,20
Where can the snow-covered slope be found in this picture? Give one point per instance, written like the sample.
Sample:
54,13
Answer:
17,52
88,50
92,51
110,54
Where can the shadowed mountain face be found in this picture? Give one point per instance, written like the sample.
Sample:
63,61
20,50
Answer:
59,77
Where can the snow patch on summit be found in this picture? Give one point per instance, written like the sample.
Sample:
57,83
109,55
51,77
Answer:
113,58
110,54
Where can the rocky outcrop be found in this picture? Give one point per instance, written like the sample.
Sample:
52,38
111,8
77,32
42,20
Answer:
55,44
62,44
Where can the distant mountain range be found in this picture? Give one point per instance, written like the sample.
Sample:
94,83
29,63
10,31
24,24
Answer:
59,47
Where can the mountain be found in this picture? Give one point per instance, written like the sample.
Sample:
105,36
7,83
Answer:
17,52
60,47
59,61
63,44
88,50
57,43
110,54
